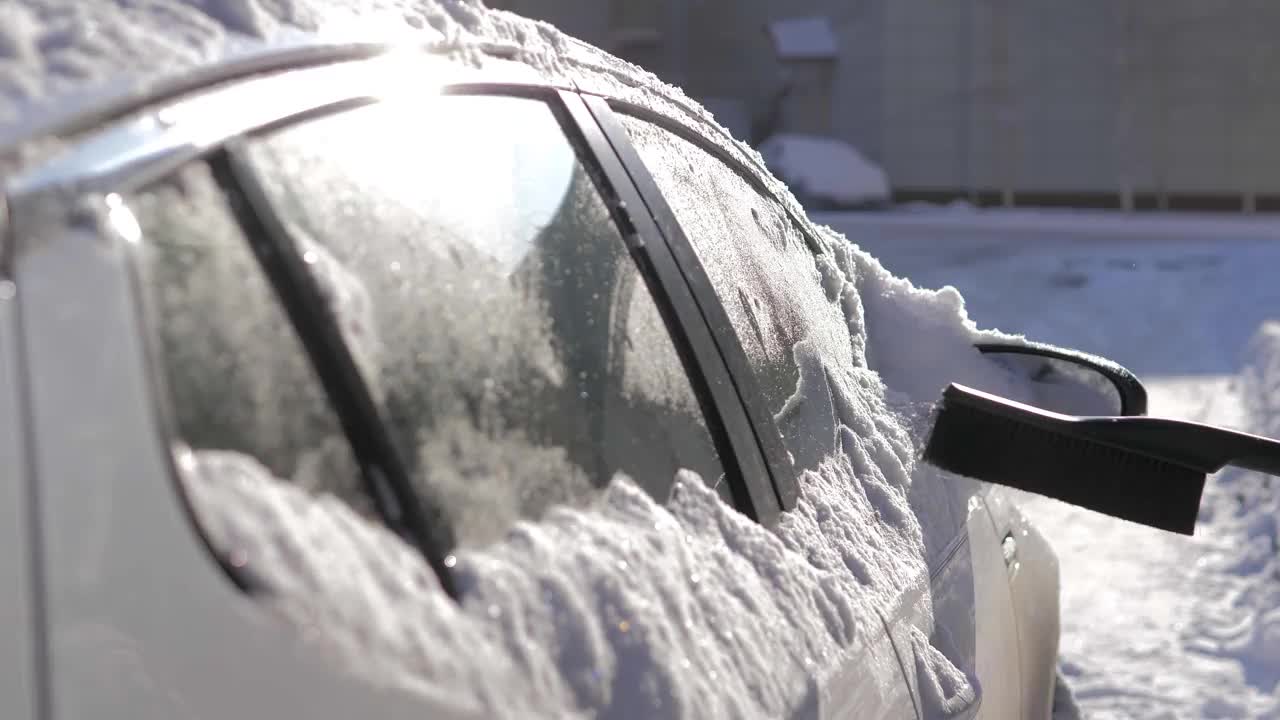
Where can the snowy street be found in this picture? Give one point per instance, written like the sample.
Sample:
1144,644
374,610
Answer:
1155,625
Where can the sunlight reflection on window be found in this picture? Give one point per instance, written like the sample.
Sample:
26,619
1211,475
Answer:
475,194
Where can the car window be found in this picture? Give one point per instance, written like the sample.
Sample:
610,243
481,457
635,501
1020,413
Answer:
236,377
512,346
767,278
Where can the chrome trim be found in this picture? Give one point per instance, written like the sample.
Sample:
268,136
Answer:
6,237
165,136
105,105
113,103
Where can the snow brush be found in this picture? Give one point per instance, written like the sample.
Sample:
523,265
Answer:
1147,470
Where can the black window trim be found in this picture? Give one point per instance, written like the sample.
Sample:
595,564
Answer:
778,459
745,466
421,519
748,172
416,515
734,431
709,377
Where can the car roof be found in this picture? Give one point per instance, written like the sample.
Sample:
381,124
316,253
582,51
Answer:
54,112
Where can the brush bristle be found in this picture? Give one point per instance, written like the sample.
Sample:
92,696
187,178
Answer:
983,445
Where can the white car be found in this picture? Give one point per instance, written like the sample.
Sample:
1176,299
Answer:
483,378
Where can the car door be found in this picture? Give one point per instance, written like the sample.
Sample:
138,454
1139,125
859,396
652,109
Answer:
950,621
534,335
169,381
763,292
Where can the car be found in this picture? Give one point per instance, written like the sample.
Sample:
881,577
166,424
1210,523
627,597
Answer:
476,377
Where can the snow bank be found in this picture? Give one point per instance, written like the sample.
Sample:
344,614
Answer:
826,171
1243,624
1260,380
624,609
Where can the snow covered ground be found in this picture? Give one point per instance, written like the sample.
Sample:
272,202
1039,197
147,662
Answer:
1154,625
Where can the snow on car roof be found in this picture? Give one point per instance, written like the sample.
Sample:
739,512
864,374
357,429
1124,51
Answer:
626,608
62,58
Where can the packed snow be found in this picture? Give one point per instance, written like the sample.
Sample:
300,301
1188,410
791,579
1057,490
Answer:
1154,625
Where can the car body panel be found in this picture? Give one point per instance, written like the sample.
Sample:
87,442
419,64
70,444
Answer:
1032,570
19,586
962,620
866,684
141,622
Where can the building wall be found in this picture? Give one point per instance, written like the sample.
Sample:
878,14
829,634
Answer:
1180,96
1026,96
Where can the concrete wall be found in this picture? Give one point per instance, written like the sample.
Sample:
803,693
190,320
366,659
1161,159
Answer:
1180,96
1103,96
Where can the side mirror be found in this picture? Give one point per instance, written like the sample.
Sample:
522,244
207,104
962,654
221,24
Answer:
1069,381
1147,470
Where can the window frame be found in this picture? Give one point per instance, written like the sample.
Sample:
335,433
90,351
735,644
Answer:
691,329
386,481
732,431
782,471
706,372
584,137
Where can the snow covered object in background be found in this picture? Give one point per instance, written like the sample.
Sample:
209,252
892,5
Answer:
803,38
826,172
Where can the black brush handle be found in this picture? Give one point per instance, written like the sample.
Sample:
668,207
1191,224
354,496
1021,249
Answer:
1204,447
1195,445
994,440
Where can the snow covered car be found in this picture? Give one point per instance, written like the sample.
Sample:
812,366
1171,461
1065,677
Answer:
483,378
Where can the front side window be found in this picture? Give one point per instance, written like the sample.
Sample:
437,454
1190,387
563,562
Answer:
514,351
786,314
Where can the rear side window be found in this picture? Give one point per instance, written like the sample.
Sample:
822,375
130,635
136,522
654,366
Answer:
241,391
516,354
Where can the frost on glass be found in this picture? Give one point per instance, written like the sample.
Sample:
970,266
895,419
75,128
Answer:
784,303
236,375
517,356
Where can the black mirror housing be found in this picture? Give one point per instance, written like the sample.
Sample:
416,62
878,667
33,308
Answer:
1070,381
1147,470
